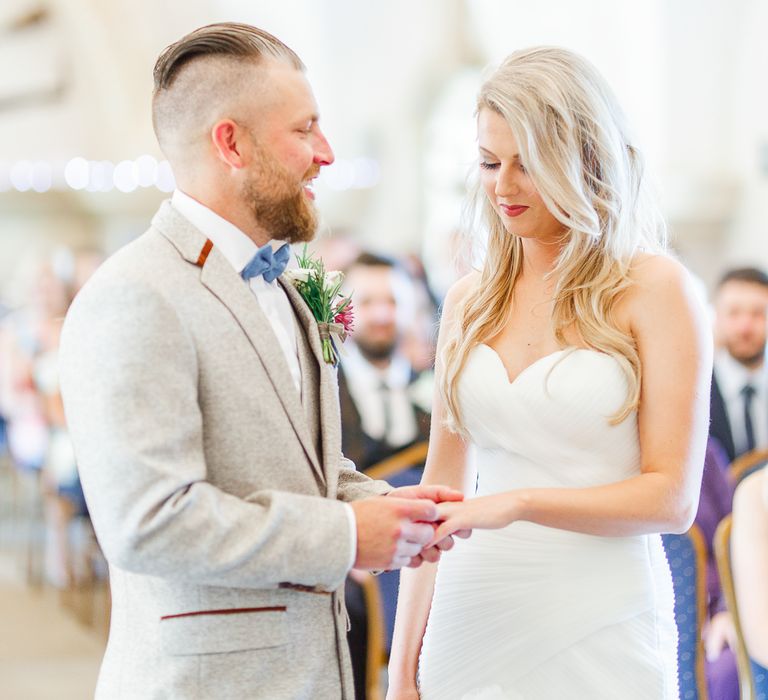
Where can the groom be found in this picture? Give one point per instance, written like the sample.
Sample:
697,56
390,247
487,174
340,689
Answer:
204,419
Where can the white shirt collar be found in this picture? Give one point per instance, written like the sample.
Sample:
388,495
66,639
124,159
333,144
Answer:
732,375
232,243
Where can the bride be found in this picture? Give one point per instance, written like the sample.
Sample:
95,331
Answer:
573,385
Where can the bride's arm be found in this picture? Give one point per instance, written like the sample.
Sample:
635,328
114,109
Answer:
446,464
674,342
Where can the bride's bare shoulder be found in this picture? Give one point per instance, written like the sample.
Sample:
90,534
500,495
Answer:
652,274
461,289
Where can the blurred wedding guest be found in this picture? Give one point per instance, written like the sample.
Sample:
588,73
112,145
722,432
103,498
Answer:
31,401
739,397
719,631
384,400
384,408
749,550
25,332
62,489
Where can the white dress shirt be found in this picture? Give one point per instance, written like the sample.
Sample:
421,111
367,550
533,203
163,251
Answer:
378,392
731,377
238,249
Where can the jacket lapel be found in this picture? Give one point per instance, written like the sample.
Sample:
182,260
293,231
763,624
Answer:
223,282
328,391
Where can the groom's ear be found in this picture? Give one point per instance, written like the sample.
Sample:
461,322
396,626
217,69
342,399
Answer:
227,137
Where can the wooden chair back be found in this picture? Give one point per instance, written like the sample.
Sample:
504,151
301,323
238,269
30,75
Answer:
722,545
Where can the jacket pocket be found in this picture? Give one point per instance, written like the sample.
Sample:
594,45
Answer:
223,631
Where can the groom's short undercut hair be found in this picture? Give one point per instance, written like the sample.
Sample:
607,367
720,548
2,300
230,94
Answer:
207,70
239,41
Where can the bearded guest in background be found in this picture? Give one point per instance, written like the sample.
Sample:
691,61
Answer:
203,415
385,403
739,398
384,409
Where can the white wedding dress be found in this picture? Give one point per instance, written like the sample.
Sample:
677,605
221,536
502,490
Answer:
535,613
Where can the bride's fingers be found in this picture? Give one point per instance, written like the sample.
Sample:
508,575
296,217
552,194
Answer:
446,528
446,509
464,534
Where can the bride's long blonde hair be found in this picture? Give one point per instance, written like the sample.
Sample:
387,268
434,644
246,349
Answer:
572,139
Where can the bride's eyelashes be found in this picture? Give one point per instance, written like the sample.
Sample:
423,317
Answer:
495,166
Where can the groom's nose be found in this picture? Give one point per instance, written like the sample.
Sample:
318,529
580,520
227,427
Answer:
323,153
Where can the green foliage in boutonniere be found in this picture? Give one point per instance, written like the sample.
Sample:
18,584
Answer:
321,291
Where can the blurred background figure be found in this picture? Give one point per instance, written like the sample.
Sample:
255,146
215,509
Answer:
739,400
385,399
385,403
45,525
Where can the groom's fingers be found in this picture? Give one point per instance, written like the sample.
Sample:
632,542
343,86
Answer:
408,549
417,533
445,493
434,492
438,493
418,509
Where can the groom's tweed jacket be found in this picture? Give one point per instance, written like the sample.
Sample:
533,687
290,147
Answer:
213,487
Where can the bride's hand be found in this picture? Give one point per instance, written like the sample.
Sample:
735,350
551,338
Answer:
486,512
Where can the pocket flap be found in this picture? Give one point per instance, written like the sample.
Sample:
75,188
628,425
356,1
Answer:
222,631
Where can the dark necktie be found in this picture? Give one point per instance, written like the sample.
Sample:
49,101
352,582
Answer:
385,394
266,263
748,392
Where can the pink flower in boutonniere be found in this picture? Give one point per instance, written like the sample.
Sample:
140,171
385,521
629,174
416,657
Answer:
321,291
346,317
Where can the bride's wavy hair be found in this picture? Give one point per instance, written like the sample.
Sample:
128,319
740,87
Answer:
573,141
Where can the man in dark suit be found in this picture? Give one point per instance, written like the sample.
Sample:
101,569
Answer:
739,398
384,409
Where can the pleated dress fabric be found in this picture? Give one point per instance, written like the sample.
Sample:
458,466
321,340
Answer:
535,613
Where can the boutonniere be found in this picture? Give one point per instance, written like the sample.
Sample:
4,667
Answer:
321,291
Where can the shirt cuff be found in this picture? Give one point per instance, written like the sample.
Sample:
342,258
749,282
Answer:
353,534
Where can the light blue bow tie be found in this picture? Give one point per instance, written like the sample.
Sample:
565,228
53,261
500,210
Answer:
267,263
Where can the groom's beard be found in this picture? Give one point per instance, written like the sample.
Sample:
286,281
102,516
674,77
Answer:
279,203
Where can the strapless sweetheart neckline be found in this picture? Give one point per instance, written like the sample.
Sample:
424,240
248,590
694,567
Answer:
569,349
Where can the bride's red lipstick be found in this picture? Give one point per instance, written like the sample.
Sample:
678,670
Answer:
514,210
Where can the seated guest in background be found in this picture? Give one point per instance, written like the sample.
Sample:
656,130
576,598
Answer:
384,402
749,551
719,631
739,398
383,410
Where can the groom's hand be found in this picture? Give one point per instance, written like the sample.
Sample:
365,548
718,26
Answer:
437,494
391,532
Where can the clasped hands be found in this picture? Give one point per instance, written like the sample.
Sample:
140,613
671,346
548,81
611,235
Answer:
401,529
414,524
